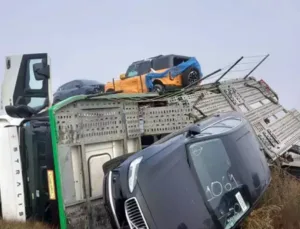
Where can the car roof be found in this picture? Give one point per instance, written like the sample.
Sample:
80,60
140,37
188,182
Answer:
159,57
77,80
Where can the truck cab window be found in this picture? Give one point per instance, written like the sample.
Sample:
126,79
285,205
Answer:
36,102
33,84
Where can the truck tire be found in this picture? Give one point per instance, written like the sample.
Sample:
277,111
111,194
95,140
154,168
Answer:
114,163
190,76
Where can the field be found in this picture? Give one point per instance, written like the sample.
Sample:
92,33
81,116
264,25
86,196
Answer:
280,206
278,209
13,225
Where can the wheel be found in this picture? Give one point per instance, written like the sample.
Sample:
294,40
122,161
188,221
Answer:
159,88
190,76
114,163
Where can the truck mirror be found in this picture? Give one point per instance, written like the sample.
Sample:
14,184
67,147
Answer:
41,70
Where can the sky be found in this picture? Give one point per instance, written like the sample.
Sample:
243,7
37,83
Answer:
98,39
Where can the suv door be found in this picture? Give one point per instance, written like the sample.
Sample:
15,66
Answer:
137,80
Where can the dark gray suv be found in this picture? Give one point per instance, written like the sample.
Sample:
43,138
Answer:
77,87
208,175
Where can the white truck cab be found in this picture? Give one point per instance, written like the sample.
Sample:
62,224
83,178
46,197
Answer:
26,87
25,92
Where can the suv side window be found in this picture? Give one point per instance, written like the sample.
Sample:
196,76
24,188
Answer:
70,85
162,63
179,60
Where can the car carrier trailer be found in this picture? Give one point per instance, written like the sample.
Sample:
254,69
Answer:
82,127
63,148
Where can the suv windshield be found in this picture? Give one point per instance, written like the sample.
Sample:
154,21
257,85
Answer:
223,191
137,69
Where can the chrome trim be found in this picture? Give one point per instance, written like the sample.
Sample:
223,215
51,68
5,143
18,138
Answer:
131,224
111,199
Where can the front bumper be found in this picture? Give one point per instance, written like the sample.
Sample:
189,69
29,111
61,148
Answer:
125,209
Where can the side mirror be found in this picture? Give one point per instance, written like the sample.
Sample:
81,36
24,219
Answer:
41,70
193,130
122,76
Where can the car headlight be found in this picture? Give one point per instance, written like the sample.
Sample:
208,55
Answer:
132,173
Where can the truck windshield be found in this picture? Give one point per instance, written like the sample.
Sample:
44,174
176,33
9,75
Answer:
223,191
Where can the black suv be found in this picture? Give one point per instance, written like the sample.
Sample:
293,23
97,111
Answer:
208,175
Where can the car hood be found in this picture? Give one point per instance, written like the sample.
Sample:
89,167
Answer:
171,193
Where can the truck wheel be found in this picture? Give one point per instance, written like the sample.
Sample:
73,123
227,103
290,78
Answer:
114,163
110,90
190,76
159,88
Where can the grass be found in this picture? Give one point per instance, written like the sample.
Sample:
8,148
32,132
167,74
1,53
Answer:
28,225
280,205
279,208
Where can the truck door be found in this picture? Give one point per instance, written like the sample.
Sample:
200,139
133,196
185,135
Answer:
26,87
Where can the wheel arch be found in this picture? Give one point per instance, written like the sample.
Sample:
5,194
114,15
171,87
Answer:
157,81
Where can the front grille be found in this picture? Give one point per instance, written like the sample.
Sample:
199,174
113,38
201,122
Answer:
134,215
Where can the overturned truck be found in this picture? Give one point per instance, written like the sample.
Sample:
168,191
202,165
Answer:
62,150
86,132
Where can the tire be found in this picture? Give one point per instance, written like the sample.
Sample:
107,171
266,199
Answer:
114,163
159,88
190,76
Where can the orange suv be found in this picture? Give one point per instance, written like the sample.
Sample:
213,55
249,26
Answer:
157,74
